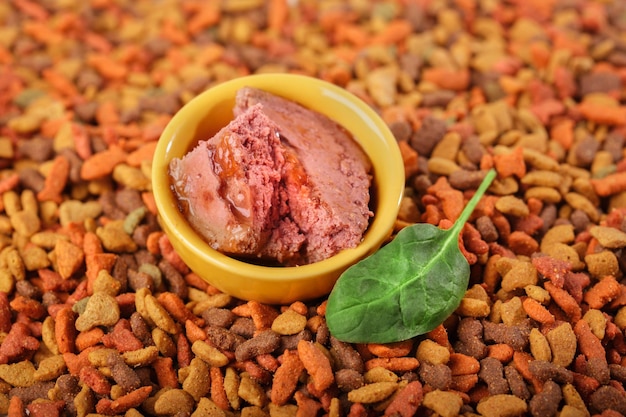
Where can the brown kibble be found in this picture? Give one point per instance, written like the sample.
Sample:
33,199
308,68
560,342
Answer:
123,375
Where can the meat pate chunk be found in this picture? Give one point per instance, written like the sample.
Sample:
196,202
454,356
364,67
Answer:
280,182
229,185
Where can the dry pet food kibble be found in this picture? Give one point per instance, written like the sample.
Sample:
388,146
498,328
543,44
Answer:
99,315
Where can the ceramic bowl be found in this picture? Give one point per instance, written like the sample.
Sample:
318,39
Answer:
211,110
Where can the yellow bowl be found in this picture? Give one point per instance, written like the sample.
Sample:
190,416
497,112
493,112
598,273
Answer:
204,115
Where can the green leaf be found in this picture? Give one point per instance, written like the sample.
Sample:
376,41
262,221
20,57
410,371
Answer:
407,287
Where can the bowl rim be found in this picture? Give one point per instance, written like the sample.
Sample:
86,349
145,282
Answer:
379,224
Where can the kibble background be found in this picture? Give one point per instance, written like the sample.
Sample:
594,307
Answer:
98,315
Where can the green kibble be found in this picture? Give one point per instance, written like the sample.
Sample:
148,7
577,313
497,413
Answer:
154,272
27,96
133,219
80,305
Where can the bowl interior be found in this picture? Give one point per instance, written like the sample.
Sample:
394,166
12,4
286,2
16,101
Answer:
204,115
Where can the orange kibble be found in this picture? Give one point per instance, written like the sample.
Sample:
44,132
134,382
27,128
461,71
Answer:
461,364
395,31
277,14
65,330
317,365
410,159
218,392
89,338
448,79
205,17
510,163
603,114
604,291
403,364
391,350
563,132
102,163
142,154
609,185
588,344
55,180
537,312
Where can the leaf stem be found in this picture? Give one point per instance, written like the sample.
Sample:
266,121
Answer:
469,208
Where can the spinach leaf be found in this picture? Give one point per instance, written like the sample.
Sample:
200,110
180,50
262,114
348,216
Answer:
407,287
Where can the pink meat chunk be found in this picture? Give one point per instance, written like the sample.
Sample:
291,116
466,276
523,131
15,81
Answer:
280,182
229,185
326,174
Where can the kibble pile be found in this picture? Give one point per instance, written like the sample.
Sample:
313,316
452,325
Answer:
98,315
